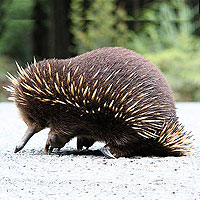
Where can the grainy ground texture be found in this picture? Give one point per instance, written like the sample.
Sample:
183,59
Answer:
31,174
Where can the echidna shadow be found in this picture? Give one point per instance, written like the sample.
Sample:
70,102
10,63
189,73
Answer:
112,95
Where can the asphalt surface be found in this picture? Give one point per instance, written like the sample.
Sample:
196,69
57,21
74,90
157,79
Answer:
31,174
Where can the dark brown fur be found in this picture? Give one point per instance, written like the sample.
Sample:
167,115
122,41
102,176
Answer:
130,132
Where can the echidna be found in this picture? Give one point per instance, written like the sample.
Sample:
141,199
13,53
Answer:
110,94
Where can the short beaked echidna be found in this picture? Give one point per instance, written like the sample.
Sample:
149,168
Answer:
113,95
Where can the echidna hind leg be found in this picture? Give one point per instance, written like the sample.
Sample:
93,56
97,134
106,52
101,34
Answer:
84,142
111,151
106,152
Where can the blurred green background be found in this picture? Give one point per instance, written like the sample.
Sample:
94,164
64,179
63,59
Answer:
167,32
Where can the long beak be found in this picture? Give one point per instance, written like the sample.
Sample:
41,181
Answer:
29,133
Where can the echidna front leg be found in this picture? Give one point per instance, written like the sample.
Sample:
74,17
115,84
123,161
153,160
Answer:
54,140
84,142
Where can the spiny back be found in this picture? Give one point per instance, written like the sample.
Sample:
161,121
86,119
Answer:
109,77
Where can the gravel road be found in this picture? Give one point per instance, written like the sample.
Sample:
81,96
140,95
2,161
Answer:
31,174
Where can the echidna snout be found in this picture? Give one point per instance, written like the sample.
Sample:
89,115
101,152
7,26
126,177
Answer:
113,95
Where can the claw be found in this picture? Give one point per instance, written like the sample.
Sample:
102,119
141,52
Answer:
50,150
58,149
46,149
106,152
